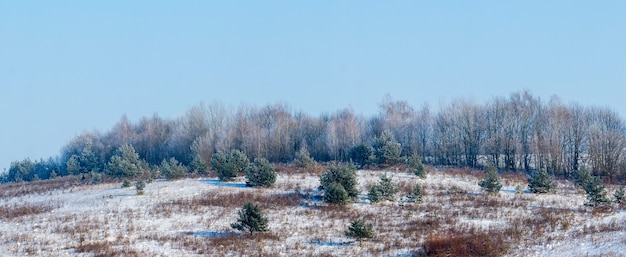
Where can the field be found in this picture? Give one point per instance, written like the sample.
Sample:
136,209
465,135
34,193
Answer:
191,217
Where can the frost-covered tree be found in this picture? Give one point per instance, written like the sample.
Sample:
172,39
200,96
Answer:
359,230
342,174
173,169
414,162
125,163
384,190
540,182
303,158
596,193
619,196
251,219
386,149
260,174
491,183
228,166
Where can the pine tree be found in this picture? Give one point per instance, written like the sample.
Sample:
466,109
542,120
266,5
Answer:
303,159
250,219
619,196
361,155
229,166
360,230
596,193
540,182
342,174
198,165
125,163
140,185
335,194
491,182
581,177
260,173
415,164
173,169
386,149
417,194
384,190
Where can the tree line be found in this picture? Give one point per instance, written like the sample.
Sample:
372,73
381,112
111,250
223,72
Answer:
520,132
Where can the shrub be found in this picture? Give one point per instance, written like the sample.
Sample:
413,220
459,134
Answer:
491,182
260,173
342,174
335,194
125,183
540,182
596,193
469,245
417,194
359,230
384,190
140,185
250,219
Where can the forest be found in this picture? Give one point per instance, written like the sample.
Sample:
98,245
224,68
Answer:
520,132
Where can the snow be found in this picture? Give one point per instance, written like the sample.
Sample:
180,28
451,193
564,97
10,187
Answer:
150,225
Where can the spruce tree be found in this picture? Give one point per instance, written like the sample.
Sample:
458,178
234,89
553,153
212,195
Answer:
491,182
250,219
540,182
260,173
359,230
596,193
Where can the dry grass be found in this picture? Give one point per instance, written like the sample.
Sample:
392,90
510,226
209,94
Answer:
192,217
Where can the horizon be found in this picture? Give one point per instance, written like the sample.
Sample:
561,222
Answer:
70,67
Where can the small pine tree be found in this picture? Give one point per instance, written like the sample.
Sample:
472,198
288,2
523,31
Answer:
261,173
415,163
250,219
335,194
343,174
540,182
359,230
125,183
386,149
303,159
140,186
491,183
619,196
596,193
198,165
229,166
581,177
417,194
173,169
384,190
361,154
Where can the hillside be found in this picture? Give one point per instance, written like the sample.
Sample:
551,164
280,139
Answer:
192,217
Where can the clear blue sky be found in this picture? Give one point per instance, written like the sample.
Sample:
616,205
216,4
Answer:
73,66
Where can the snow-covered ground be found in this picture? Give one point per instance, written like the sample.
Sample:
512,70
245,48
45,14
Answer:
192,217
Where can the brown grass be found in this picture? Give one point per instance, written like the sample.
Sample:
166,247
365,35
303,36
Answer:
483,244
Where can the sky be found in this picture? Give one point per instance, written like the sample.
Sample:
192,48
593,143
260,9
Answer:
67,67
